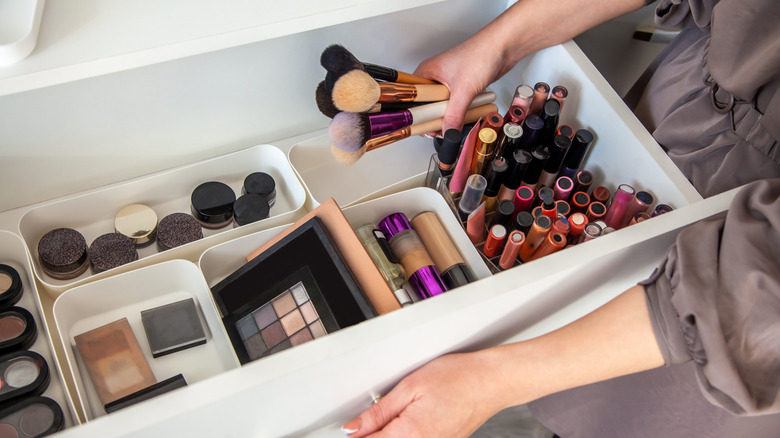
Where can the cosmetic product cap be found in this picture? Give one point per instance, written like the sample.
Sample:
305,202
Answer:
472,194
34,416
393,224
111,250
550,114
579,146
11,287
558,148
517,167
546,193
403,297
138,222
523,221
63,253
493,121
250,208
532,128
580,201
601,194
17,329
661,209
639,217
505,210
562,207
514,115
495,176
260,183
644,197
448,152
437,141
212,204
565,130
582,181
177,229
509,140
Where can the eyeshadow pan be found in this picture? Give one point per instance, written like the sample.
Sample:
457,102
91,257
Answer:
301,337
255,346
5,282
281,347
247,327
273,334
36,420
21,373
11,326
284,304
317,329
309,312
299,292
264,316
292,322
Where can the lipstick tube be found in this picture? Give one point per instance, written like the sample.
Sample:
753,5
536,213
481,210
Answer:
582,181
617,208
541,92
563,208
448,260
550,115
483,151
640,217
557,148
523,97
524,198
661,209
504,213
495,240
534,170
523,222
601,194
553,242
409,249
639,204
591,231
495,177
565,130
448,153
512,247
475,225
532,132
549,208
493,121
514,115
596,211
562,189
578,221
561,225
580,202
508,140
517,167
535,237
375,243
559,93
579,147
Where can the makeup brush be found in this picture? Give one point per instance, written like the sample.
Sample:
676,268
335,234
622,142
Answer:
345,157
350,131
337,59
357,93
326,106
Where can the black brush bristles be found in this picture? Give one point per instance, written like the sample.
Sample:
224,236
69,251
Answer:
337,59
325,101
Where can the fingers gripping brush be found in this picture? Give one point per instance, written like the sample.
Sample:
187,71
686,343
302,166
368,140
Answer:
347,157
350,131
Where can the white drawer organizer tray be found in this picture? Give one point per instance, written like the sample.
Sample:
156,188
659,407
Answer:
125,295
166,192
13,254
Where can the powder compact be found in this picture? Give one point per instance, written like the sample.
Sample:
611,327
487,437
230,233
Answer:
297,290
173,327
212,204
63,254
177,229
31,417
22,373
17,329
114,360
10,286
138,222
110,251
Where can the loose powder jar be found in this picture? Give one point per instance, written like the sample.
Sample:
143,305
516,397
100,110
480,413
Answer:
110,251
261,183
177,229
138,222
212,204
63,254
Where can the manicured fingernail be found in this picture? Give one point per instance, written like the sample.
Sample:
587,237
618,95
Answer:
352,426
428,135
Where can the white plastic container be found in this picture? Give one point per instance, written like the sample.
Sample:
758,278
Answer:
125,295
20,21
92,213
13,254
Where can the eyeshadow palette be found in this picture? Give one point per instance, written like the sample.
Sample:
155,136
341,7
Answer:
297,290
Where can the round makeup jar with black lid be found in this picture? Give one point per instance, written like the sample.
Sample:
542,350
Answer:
260,183
31,417
10,286
111,250
22,374
250,208
17,330
138,222
212,204
177,229
63,253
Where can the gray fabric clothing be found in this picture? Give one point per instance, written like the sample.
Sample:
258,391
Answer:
726,48
715,307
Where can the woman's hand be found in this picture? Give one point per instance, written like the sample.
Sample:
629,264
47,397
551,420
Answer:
450,396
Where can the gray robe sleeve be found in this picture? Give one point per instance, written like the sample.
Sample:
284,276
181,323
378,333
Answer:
715,301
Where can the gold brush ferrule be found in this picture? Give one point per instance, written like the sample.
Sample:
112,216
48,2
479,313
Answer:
393,92
376,143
